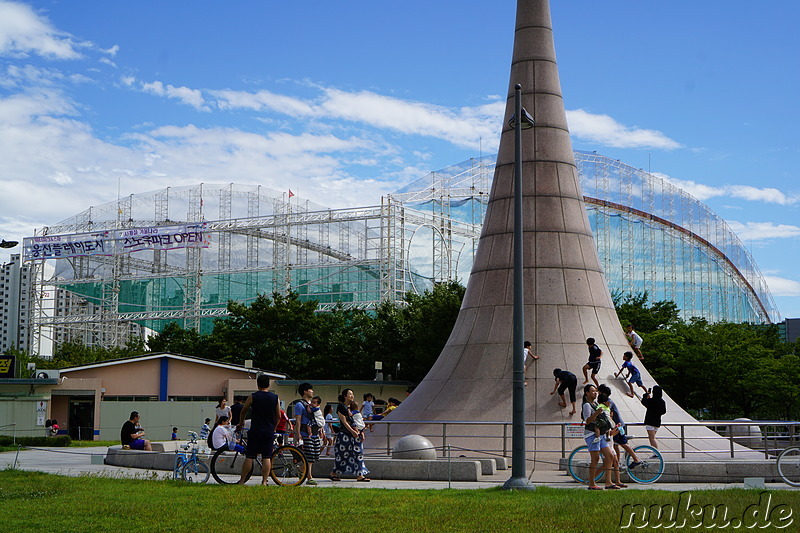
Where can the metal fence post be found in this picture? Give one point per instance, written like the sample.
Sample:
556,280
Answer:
444,435
765,434
683,442
730,436
449,467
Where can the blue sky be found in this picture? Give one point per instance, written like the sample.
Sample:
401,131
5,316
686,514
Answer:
345,101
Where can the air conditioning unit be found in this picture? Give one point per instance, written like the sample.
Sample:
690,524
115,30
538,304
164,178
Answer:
48,374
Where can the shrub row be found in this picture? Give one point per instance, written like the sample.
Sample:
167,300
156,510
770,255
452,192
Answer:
61,441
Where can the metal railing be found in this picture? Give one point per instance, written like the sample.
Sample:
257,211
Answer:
772,436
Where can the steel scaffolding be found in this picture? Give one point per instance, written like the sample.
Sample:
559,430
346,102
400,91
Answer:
651,236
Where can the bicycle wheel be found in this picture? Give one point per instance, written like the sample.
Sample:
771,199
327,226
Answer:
651,468
289,466
195,472
789,466
226,467
578,465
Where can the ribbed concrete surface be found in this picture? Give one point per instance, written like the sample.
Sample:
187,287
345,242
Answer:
566,295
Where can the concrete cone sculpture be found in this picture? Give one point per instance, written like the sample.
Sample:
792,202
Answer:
566,296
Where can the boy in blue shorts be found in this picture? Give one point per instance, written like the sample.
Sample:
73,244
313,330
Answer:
634,376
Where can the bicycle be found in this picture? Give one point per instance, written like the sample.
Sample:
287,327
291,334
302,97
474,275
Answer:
649,471
190,468
289,466
789,465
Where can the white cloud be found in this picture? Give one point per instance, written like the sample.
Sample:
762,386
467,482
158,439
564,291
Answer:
192,97
604,130
111,51
782,286
703,192
761,231
24,32
108,62
768,195
464,127
261,101
29,75
55,166
467,127
698,190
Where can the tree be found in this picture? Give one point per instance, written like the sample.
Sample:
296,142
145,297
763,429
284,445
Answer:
175,339
428,322
275,333
634,309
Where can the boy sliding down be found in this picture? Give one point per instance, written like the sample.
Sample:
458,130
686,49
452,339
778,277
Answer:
634,376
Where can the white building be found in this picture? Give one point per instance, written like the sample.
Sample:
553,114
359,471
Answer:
15,304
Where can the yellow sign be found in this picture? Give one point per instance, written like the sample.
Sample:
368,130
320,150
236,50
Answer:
7,366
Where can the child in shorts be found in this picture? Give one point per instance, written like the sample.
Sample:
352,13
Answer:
602,424
595,353
634,376
530,357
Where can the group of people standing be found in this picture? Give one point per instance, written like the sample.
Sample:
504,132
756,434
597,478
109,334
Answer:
597,404
308,425
348,425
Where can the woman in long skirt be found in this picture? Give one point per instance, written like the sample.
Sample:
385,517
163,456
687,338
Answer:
348,450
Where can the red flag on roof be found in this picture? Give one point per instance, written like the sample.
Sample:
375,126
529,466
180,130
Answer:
290,193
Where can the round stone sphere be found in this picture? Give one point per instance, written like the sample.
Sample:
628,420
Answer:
414,447
749,436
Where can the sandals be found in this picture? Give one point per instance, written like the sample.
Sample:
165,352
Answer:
613,487
364,479
595,488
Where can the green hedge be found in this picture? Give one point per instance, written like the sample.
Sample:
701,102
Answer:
61,441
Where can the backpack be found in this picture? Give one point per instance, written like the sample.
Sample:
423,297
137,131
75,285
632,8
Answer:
602,423
591,425
209,439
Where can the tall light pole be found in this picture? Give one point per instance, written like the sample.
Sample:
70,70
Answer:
521,120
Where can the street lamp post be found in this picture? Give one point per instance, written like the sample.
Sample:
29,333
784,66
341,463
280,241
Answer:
518,480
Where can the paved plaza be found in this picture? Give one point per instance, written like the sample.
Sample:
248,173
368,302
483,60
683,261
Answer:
81,462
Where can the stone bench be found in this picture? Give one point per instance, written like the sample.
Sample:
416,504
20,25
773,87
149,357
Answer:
398,469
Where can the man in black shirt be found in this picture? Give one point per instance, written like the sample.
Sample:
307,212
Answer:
265,413
236,410
131,436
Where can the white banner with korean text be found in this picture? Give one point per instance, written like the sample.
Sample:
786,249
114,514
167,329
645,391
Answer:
116,241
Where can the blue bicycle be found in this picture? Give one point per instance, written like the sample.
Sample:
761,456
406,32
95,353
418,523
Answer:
189,467
648,470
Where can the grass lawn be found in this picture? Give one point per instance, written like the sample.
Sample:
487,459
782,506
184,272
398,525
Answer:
34,501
